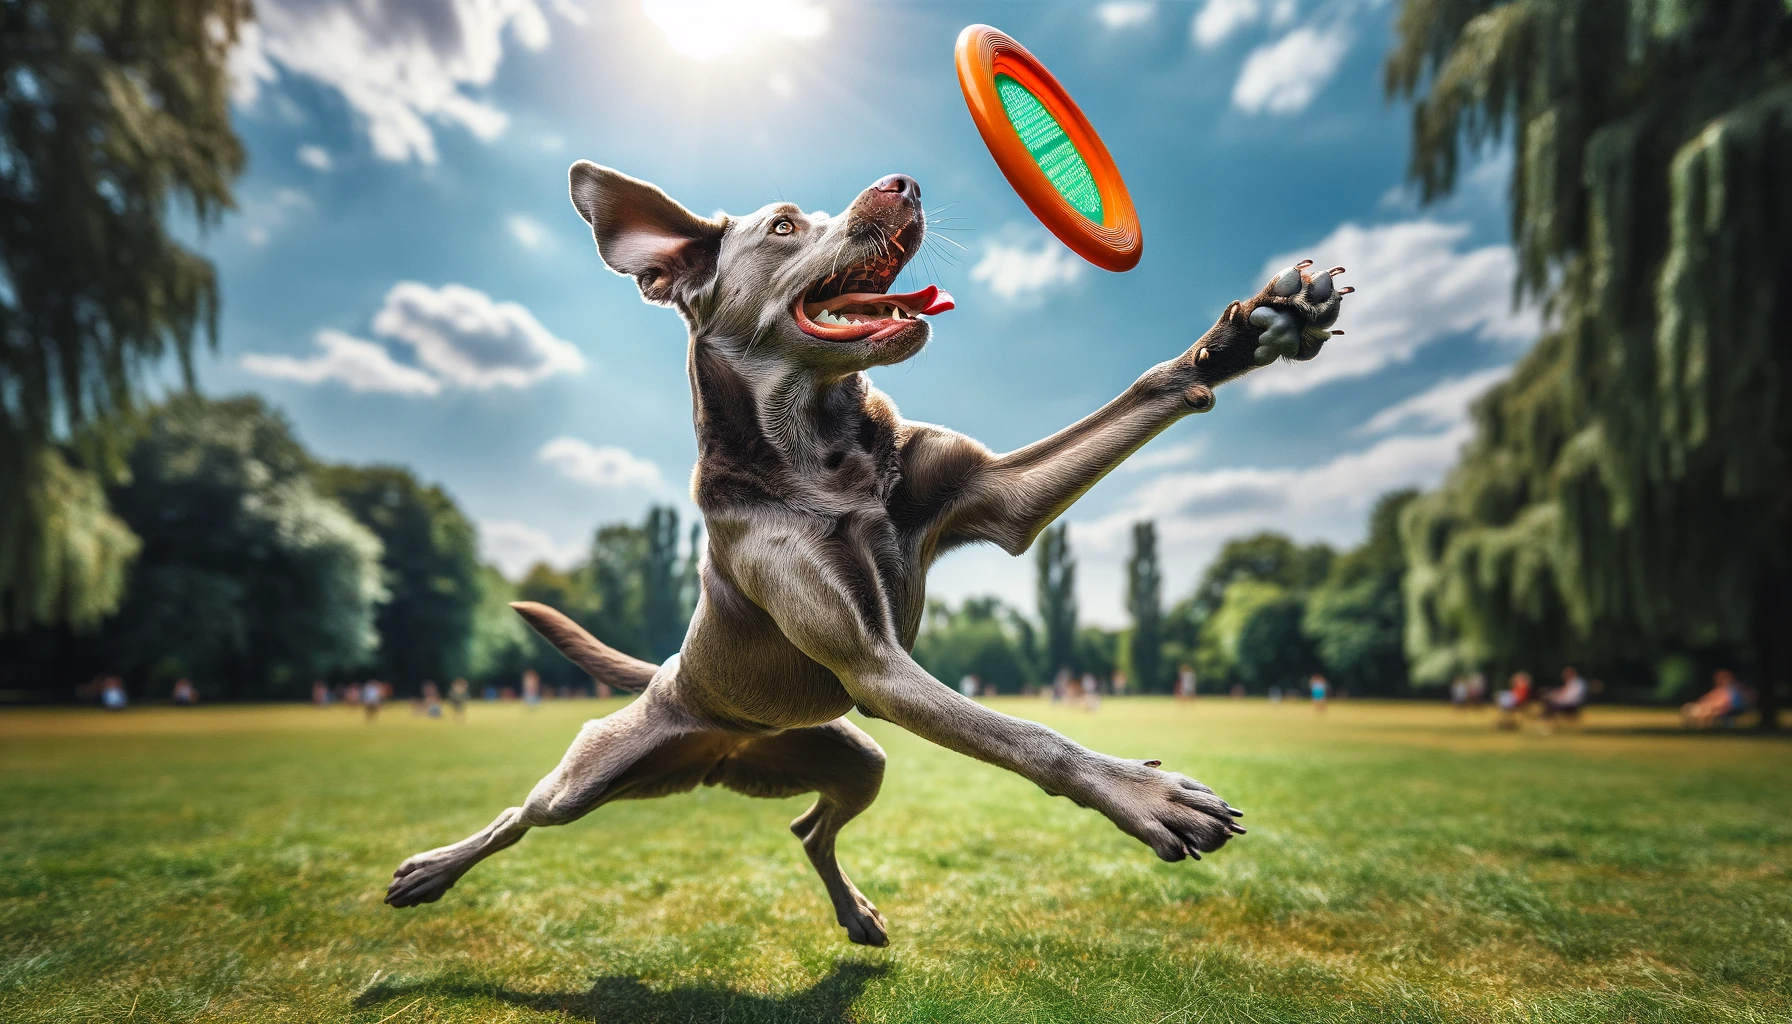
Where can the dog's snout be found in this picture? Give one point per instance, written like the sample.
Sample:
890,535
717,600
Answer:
900,184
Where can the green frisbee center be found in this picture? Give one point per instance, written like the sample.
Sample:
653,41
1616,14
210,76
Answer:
1050,148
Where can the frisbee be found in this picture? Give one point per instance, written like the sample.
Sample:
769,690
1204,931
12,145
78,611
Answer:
1047,149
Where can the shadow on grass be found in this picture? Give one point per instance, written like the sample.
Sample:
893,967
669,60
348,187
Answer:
616,999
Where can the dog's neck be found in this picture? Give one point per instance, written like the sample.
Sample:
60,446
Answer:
748,401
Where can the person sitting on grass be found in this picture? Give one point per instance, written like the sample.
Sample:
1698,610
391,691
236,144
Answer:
1512,700
1722,705
1566,700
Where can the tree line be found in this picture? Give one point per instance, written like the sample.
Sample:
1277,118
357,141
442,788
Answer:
1266,612
255,569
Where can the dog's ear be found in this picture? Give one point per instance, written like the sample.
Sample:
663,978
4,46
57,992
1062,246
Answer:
644,233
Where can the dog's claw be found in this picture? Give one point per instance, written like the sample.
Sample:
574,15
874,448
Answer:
1153,763
1303,264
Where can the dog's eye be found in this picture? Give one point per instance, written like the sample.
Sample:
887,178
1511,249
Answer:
783,226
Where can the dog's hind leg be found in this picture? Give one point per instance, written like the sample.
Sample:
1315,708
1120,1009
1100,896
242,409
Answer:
650,748
845,767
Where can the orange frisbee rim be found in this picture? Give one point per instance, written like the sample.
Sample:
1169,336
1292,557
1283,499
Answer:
1114,243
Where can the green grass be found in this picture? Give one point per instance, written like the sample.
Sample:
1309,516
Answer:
1404,863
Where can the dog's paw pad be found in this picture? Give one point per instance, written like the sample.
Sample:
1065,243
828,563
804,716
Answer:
1295,311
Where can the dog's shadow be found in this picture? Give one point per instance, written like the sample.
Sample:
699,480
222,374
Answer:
618,999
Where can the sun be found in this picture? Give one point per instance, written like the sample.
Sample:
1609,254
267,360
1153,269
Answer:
707,29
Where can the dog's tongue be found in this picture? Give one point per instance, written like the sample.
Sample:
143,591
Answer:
927,301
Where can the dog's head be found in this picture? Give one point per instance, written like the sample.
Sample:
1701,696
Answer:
808,289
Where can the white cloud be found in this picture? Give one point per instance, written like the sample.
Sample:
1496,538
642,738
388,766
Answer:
1017,273
1283,77
1416,286
707,29
362,365
602,466
528,232
470,341
1220,18
315,157
1444,404
516,547
262,216
400,64
1120,14
460,337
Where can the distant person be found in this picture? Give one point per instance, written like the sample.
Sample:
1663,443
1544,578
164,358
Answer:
1512,700
489,693
968,685
432,699
1459,692
1275,695
604,692
1477,689
112,695
532,688
1091,688
1566,700
1319,689
371,693
1119,684
1721,705
458,695
1061,686
1237,691
320,694
184,694
1185,683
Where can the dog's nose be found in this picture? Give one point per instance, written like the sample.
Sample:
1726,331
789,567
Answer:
900,184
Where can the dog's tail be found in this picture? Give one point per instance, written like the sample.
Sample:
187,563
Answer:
605,664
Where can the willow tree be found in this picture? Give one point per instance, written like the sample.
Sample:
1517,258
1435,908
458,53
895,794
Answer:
111,113
1630,487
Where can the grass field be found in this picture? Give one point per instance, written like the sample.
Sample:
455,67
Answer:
1404,863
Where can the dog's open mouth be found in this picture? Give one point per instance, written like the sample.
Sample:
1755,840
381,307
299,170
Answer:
854,304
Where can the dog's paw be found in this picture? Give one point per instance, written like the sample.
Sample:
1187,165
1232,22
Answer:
1295,312
423,879
863,924
1171,813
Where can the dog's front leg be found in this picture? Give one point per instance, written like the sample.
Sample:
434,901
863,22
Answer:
816,592
1010,498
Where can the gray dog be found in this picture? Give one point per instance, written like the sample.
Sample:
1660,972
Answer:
824,509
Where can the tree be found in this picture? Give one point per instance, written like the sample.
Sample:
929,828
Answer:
1270,649
501,645
615,576
1265,557
663,618
430,564
112,114
981,638
1057,597
250,582
1357,617
1634,480
1144,601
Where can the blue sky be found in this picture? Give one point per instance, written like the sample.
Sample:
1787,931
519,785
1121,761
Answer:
407,281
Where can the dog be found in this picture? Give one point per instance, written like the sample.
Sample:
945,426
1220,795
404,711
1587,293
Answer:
824,510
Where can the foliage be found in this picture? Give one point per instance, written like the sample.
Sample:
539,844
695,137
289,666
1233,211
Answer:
1357,617
1144,601
500,647
1057,596
112,115
663,617
1652,507
1249,575
1270,648
430,566
1098,652
250,581
982,637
